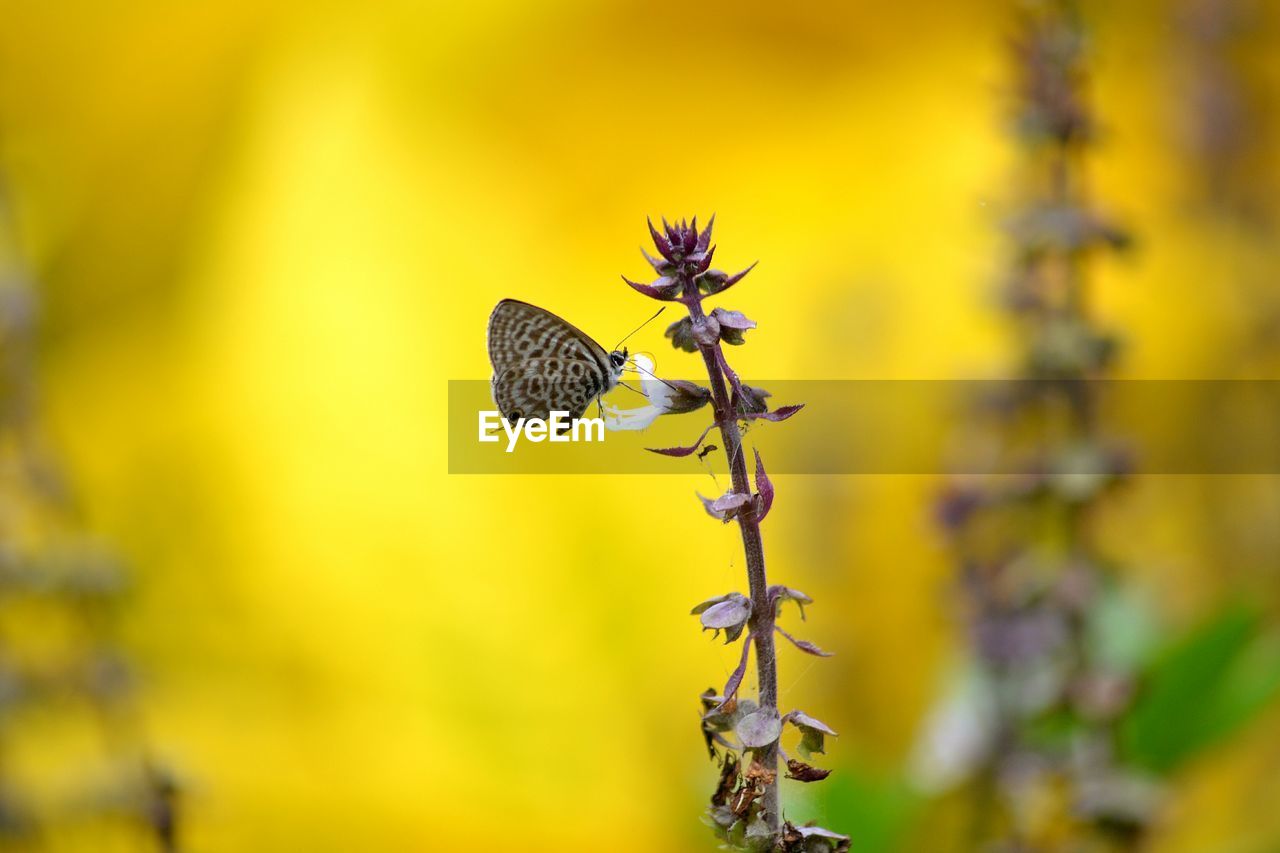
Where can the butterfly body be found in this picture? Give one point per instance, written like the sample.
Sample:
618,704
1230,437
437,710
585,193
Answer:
543,364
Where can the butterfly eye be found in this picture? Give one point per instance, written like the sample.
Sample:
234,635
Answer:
516,415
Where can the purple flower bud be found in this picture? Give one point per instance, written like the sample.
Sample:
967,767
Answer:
661,242
704,239
660,265
700,261
689,238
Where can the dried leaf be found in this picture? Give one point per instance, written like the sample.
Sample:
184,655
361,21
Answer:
802,772
757,773
742,800
728,780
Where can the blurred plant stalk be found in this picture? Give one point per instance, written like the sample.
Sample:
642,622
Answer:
59,594
1048,775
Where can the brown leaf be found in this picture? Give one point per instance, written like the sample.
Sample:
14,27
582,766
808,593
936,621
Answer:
728,780
757,773
802,772
745,796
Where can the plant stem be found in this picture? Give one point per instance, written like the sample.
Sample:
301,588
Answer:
762,611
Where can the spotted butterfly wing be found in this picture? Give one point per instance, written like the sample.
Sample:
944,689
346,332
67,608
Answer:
544,385
542,363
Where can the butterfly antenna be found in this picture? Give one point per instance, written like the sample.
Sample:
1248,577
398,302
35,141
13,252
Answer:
641,326
640,369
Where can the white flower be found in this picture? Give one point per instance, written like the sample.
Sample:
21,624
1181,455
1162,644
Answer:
657,393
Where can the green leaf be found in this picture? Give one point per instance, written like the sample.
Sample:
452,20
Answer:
1248,687
1203,689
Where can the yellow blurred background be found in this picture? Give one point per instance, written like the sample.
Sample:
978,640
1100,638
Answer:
265,235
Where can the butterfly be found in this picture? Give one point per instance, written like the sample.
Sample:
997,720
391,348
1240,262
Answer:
544,364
